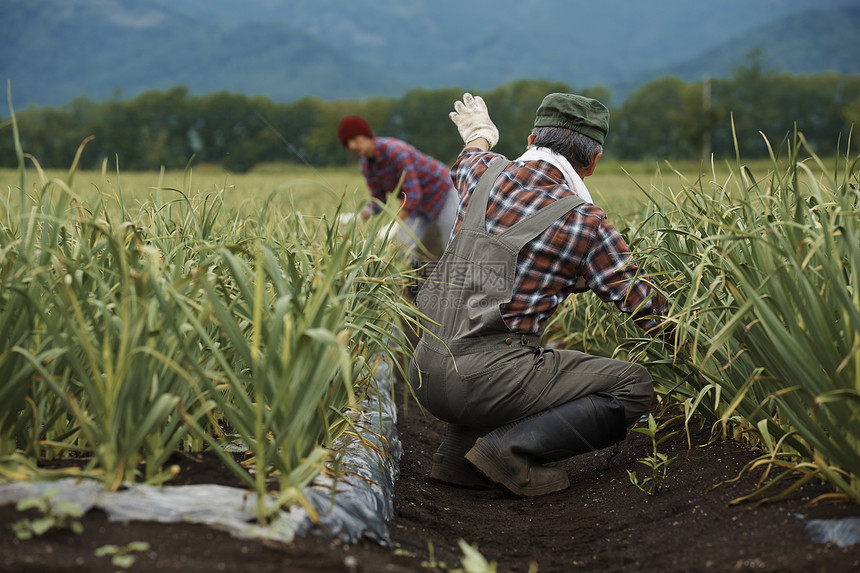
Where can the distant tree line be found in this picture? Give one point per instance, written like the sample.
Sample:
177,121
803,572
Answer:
665,119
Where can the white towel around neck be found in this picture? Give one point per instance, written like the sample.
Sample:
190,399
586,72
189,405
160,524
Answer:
571,177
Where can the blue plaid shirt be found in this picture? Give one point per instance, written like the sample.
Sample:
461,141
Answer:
583,243
426,181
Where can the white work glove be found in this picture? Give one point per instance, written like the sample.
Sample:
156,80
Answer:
390,231
473,120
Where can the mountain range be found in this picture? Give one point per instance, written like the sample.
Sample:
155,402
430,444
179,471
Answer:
52,51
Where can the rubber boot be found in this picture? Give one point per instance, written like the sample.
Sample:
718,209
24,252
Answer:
512,455
449,464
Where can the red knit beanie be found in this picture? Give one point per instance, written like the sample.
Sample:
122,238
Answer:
350,126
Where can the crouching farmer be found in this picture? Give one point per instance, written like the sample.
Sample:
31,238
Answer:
526,237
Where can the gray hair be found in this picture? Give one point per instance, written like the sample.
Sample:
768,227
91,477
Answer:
577,148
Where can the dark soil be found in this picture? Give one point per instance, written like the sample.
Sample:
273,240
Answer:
602,523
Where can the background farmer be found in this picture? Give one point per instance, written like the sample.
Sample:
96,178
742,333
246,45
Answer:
427,193
526,237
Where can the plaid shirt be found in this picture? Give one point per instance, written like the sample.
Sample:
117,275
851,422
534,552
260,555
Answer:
583,243
426,183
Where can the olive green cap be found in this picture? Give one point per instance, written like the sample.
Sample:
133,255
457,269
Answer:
575,112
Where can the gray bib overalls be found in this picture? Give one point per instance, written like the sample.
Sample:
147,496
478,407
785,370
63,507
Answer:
470,370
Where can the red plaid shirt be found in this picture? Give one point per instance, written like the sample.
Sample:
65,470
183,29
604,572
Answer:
583,243
426,183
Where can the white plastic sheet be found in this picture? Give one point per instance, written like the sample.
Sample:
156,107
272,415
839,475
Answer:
363,500
843,532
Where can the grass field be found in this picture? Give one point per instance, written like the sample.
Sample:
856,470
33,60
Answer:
315,191
291,188
759,261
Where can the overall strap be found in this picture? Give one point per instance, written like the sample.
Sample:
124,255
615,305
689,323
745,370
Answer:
519,234
476,212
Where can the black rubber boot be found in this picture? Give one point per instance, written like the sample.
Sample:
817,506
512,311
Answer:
449,464
512,455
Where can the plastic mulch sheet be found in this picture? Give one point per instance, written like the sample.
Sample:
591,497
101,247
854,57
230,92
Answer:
843,532
362,506
364,499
